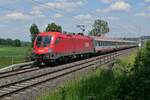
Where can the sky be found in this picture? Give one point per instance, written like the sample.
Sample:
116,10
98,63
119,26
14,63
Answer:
126,18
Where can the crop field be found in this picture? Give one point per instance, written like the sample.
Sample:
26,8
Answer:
11,55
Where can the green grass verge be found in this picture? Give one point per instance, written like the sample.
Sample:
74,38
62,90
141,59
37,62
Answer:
98,85
9,55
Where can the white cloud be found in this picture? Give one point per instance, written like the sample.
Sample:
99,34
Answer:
120,6
36,12
83,18
146,0
143,14
111,18
17,15
58,16
117,6
106,1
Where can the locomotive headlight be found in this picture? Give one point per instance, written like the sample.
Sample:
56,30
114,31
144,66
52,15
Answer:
49,50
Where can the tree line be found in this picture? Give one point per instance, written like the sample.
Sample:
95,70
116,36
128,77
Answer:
100,27
10,42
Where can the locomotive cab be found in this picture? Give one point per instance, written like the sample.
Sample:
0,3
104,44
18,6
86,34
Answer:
42,48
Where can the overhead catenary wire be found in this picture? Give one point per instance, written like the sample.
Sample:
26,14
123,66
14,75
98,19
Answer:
45,5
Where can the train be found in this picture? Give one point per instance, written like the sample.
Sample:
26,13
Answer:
57,46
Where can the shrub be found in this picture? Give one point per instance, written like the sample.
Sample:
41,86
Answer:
136,86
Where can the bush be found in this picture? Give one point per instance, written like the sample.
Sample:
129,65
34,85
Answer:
136,86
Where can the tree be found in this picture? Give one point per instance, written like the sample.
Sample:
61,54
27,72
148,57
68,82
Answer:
17,43
9,41
34,32
53,28
99,27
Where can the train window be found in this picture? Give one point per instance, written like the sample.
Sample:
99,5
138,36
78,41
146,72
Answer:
109,43
43,41
95,43
113,43
106,43
46,41
101,43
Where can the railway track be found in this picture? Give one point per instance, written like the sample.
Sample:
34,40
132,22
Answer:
18,71
55,73
25,69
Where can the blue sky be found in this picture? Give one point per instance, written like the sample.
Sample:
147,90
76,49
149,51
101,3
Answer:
126,18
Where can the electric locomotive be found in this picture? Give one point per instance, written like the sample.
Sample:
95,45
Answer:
52,46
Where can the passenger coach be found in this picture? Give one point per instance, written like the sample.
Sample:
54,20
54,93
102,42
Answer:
104,44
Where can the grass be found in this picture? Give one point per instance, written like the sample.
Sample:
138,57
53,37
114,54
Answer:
125,65
100,84
9,55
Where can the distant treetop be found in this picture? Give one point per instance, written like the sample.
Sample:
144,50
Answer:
99,27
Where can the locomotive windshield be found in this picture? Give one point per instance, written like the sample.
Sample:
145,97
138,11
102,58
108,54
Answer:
43,41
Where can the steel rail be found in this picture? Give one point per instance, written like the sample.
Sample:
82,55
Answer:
82,65
20,71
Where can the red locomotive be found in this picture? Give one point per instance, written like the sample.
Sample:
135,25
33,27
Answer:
55,46
51,46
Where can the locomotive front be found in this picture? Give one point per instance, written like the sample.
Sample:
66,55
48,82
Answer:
42,50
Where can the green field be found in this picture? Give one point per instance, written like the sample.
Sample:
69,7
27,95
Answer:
100,84
10,55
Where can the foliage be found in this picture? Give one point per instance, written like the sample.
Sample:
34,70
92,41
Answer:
17,43
100,85
34,32
99,27
136,86
124,66
53,28
10,42
143,58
